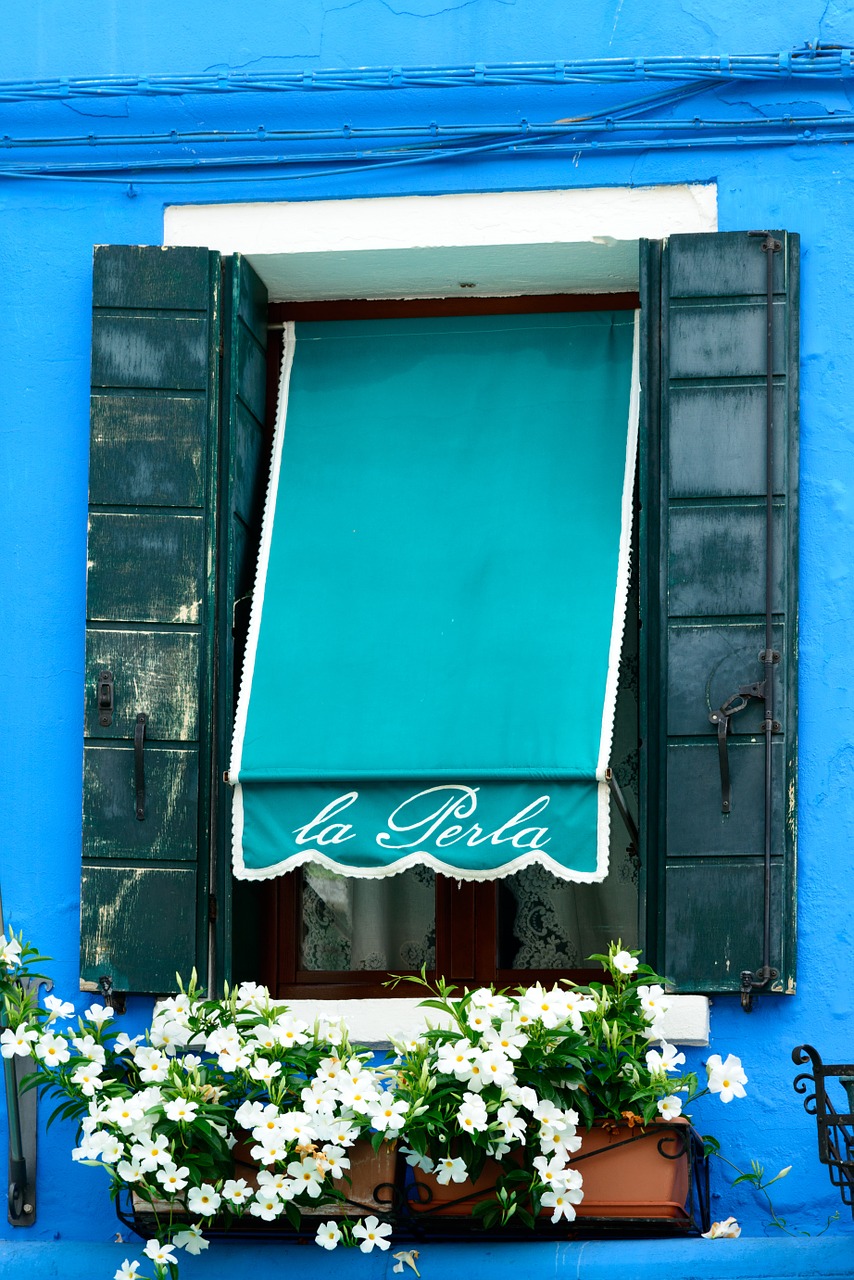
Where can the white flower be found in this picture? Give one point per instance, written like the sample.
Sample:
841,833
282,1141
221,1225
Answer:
237,1190
237,1060
88,1047
162,1254
449,1170
248,1114
265,1071
372,1233
335,1161
454,1058
204,1199
726,1230
129,1170
653,1002
111,1149
726,1078
664,1060
472,1116
514,1125
99,1014
192,1239
181,1109
307,1175
328,1235
624,962
523,1096
59,1009
127,1113
267,1036
358,1091
553,1171
562,1202
485,998
86,1078
415,1161
169,1034
127,1271
508,1039
670,1107
10,952
265,1206
18,1041
52,1050
341,1132
274,1182
548,1006
173,1179
296,1126
292,1030
386,1114
153,1064
496,1068
151,1151
124,1043
478,1019
575,1005
190,1061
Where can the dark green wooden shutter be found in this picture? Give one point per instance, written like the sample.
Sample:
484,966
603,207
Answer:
243,471
703,532
150,613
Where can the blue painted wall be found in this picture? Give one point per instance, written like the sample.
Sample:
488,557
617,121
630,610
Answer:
47,230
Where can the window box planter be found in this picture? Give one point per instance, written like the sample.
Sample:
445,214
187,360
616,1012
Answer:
655,1175
371,1189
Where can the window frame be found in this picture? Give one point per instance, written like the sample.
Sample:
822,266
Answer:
466,912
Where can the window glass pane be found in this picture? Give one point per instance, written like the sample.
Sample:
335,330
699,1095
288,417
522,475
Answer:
351,924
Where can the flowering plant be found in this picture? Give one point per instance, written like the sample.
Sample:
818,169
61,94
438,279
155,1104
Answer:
234,1107
512,1076
171,1115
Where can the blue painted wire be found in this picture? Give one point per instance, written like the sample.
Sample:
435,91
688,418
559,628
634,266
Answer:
336,165
805,63
605,118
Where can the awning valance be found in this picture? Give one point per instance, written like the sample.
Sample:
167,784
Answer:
431,667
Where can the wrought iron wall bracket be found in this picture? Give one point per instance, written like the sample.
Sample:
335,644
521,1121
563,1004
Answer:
21,1109
835,1128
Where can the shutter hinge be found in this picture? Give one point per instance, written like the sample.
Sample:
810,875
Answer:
113,999
212,908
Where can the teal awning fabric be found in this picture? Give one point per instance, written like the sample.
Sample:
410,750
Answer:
431,666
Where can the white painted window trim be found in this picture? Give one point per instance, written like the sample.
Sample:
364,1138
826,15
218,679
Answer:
420,246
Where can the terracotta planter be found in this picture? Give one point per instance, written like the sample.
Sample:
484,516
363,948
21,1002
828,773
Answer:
369,1170
634,1179
628,1177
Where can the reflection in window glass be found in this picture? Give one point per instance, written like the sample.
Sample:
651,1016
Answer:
351,924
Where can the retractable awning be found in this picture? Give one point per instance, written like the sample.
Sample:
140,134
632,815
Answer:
431,667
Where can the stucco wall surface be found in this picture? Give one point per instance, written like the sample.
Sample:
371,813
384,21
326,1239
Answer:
48,226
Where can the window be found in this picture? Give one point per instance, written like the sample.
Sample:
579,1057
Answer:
176,449
342,932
